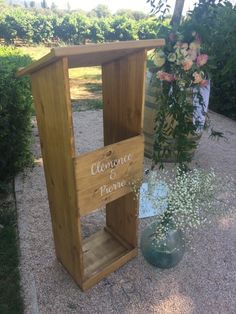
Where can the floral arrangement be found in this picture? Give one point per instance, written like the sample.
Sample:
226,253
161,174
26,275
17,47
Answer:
183,62
181,72
193,198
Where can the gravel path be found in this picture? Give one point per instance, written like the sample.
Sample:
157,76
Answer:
203,282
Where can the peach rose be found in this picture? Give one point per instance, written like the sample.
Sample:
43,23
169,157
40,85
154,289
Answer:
202,59
187,64
164,76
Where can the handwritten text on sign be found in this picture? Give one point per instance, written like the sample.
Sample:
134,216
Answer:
100,167
102,176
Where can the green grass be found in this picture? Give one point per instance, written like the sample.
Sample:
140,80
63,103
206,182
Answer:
86,73
35,52
85,83
93,87
88,104
10,298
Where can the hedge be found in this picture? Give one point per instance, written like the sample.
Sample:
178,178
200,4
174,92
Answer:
45,26
215,21
15,114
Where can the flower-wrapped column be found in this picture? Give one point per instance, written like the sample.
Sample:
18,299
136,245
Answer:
176,100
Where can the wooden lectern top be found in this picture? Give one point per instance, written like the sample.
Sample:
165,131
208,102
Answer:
91,54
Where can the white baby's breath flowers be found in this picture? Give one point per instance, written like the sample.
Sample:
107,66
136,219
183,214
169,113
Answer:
193,198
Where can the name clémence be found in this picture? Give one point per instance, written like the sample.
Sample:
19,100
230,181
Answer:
100,167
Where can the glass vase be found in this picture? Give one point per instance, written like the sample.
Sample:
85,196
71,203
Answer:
165,253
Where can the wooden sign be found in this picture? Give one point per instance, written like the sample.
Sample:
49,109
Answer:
77,185
104,175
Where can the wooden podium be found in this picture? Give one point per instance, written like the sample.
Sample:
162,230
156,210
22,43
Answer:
77,185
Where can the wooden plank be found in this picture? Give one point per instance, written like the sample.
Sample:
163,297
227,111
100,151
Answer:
99,251
92,54
53,109
37,65
125,244
121,218
108,47
74,182
123,98
109,268
98,54
91,59
102,176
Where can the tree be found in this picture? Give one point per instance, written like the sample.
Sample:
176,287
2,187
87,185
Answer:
53,6
100,11
162,7
176,18
136,15
124,28
32,4
148,28
4,3
44,4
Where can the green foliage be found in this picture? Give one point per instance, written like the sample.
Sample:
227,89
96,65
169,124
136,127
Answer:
215,21
15,114
100,11
73,28
160,7
100,30
66,29
136,15
178,96
124,28
148,29
32,25
10,299
43,28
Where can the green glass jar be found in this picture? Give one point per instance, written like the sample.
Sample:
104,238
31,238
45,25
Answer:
165,253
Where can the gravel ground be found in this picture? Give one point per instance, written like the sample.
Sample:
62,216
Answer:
203,282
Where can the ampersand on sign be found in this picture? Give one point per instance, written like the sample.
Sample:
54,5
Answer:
112,174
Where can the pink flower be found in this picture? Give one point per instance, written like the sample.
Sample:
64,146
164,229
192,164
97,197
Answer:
202,59
204,83
164,76
197,78
187,64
